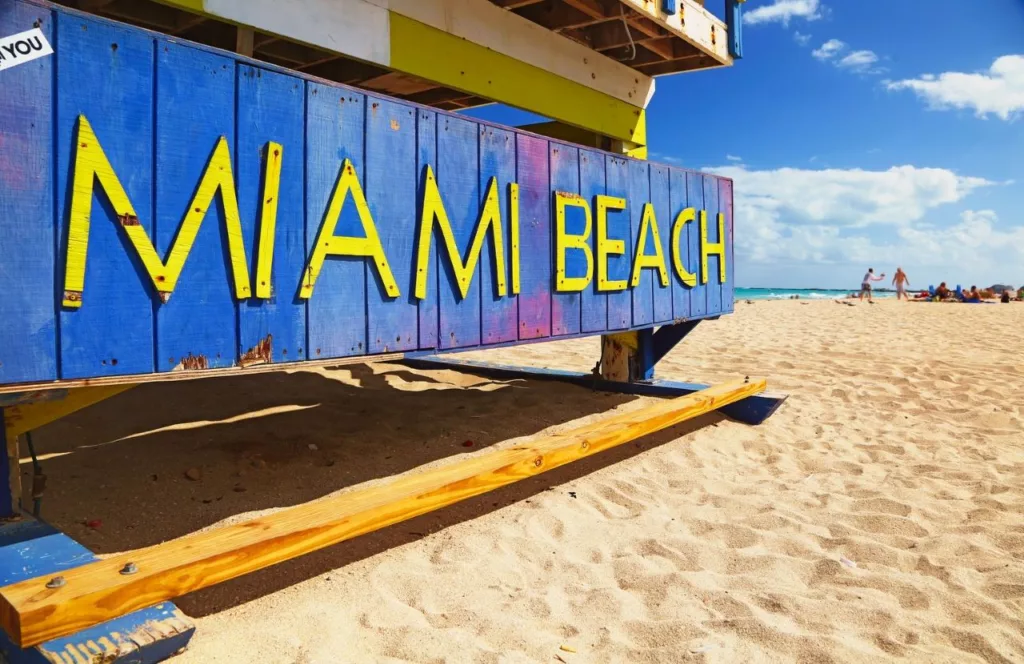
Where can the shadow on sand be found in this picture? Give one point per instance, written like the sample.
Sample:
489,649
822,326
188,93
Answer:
164,460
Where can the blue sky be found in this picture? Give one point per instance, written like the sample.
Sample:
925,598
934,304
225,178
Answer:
861,133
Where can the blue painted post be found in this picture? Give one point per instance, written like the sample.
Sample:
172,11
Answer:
8,496
734,23
670,6
644,359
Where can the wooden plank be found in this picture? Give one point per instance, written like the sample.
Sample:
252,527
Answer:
28,328
19,420
530,43
639,195
725,204
195,108
31,548
714,285
336,312
458,180
479,70
660,200
96,592
565,177
426,156
678,202
620,303
695,199
271,109
244,38
594,303
391,195
532,172
171,376
113,332
498,313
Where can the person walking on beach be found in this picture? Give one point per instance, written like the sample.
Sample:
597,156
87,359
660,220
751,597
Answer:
901,282
865,284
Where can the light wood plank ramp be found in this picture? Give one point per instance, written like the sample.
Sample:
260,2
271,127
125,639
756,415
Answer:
31,613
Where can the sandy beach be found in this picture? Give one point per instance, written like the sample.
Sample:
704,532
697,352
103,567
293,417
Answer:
878,516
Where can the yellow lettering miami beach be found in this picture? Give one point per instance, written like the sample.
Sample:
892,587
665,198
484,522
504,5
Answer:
91,167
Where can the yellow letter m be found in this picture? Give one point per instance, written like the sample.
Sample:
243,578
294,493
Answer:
91,164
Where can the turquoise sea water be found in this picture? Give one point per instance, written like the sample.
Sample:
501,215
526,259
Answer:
788,293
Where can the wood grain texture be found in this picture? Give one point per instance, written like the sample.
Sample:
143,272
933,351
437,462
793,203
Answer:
620,303
565,177
498,313
336,313
30,613
458,180
271,107
391,194
593,302
639,193
532,171
713,262
680,244
28,329
195,110
426,157
660,200
695,198
108,336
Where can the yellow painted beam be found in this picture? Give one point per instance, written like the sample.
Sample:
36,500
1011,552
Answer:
31,613
424,51
21,419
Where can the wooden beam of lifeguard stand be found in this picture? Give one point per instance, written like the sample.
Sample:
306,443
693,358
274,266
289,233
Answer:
40,609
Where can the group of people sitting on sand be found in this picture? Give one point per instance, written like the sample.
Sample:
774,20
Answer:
944,294
941,294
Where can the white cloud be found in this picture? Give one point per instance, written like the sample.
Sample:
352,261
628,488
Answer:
732,157
801,38
998,91
829,49
862,61
848,197
974,244
803,217
783,11
858,61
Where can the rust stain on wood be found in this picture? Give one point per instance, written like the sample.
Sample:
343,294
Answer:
194,363
261,353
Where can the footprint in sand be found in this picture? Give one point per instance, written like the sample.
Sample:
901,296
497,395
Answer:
883,506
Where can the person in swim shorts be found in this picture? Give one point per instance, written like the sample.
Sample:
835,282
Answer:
865,284
901,282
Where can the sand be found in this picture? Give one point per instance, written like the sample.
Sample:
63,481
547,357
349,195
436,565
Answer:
876,517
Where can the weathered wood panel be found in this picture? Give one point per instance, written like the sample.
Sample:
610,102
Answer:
224,212
272,328
113,66
28,325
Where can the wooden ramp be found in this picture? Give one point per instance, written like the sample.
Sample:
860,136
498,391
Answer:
39,609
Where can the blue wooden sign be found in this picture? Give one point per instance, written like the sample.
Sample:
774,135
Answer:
169,207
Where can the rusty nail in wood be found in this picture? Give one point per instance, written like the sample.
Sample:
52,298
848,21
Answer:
56,582
129,568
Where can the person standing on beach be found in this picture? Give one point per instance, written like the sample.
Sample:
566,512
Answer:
865,284
901,282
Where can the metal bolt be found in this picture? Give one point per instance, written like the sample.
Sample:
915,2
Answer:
129,568
56,582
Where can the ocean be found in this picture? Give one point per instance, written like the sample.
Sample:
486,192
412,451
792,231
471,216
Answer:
789,293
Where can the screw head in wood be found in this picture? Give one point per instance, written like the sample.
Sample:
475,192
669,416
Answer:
129,568
56,582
